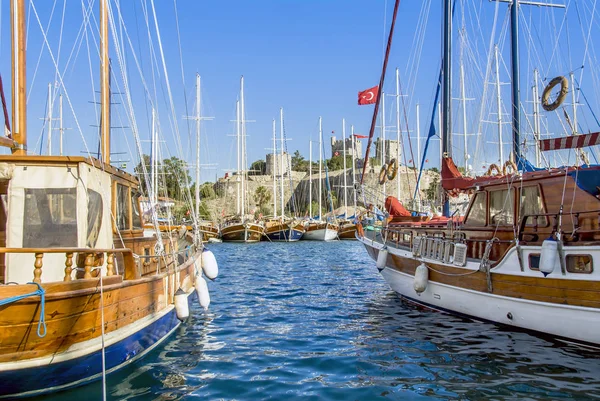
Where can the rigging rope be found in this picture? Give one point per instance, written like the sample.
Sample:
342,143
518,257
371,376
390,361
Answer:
41,330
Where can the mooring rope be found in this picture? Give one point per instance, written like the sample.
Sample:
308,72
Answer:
41,330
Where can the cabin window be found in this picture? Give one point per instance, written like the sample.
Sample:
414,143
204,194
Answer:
137,219
94,218
50,218
501,207
532,204
579,264
534,261
476,216
122,207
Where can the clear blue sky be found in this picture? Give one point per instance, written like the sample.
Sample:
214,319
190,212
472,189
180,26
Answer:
309,57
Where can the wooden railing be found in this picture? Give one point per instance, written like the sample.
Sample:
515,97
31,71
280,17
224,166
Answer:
90,259
530,224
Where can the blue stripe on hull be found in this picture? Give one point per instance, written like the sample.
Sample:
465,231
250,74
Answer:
285,235
83,369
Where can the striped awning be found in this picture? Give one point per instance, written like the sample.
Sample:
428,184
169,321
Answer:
570,142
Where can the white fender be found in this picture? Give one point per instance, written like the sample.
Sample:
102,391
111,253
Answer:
382,258
549,256
182,308
421,278
202,291
209,264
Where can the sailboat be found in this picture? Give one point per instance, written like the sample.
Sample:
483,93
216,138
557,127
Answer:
524,255
347,228
88,293
319,229
241,227
281,228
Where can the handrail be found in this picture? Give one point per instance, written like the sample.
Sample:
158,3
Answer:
94,257
523,224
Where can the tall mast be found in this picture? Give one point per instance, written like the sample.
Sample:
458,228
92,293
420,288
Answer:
154,161
572,76
516,102
19,98
463,99
104,84
447,91
499,111
239,138
383,134
345,168
353,172
536,117
61,128
243,144
274,170
310,215
281,162
418,154
320,164
198,117
49,119
398,132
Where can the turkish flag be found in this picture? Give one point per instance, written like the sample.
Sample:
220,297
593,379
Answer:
368,96
360,136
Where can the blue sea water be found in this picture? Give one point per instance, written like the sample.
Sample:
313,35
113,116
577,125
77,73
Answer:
314,320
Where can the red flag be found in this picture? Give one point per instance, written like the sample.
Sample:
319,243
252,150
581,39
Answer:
361,136
368,96
336,154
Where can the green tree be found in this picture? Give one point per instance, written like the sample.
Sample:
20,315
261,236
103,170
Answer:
298,162
176,177
259,167
337,163
262,196
139,172
432,192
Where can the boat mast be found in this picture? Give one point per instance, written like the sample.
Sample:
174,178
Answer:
60,122
464,110
238,137
398,132
198,118
153,161
19,98
49,119
310,166
418,154
345,168
104,84
536,117
274,170
499,103
320,164
281,162
353,166
243,144
446,90
516,102
383,135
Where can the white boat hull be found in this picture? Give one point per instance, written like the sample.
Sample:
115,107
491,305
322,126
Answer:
578,323
324,234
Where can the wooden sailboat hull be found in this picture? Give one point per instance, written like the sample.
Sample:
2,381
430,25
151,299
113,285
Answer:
248,232
285,232
208,232
138,314
347,231
556,307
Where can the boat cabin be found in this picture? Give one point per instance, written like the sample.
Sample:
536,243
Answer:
49,203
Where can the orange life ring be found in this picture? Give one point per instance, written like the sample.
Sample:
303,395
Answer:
564,89
383,174
392,169
492,167
512,165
